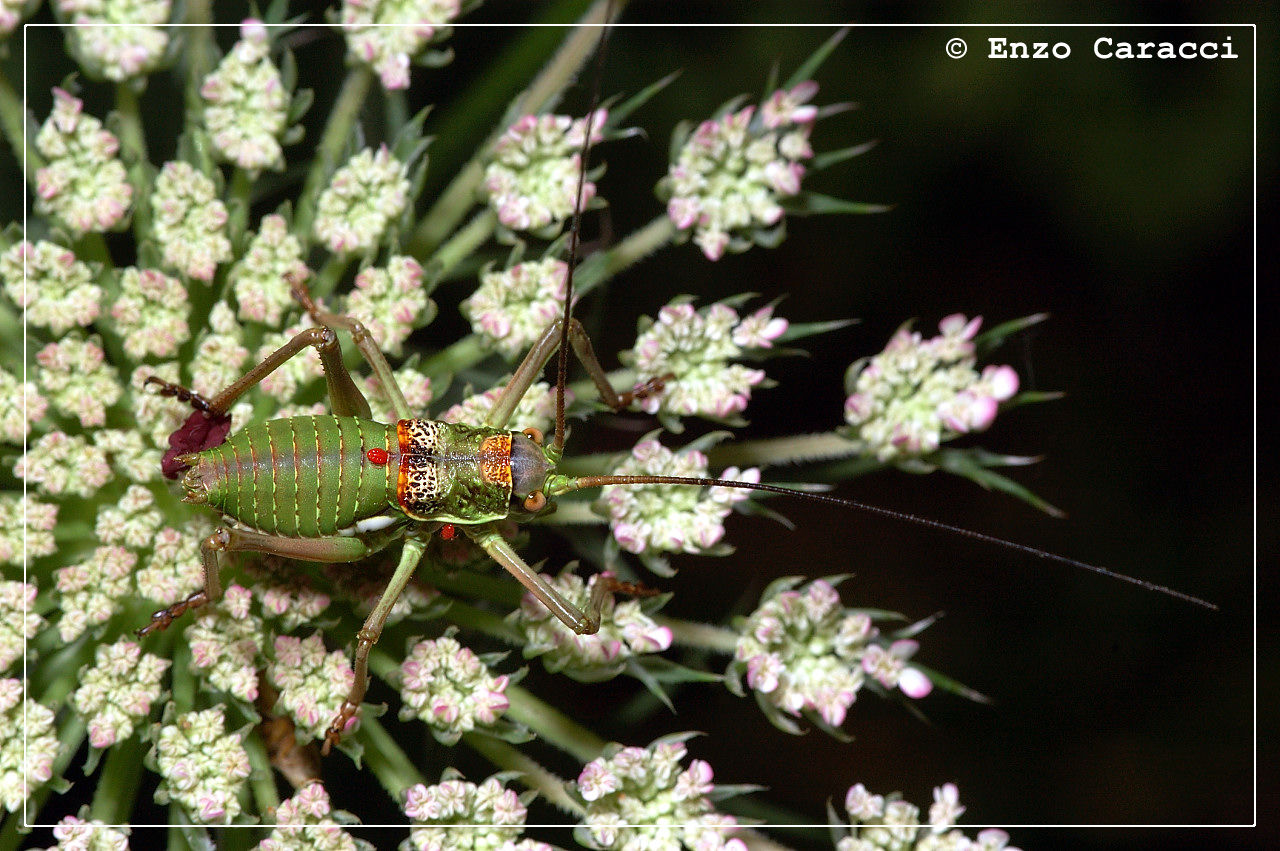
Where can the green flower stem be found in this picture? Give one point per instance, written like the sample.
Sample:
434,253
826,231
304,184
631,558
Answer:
700,635
634,248
13,124
448,210
198,54
386,760
326,280
10,837
458,196
465,353
69,659
486,622
182,683
238,201
553,726
463,243
532,774
118,781
341,119
133,152
262,781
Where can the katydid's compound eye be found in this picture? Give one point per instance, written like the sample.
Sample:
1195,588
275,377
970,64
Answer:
535,502
377,456
534,434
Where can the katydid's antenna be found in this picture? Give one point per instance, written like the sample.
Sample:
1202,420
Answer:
602,481
562,362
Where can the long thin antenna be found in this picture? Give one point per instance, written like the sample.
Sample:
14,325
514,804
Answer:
584,482
562,362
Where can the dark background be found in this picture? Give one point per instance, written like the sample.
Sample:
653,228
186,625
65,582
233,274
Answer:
1119,198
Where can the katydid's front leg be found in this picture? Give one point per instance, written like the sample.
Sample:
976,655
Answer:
534,362
368,636
583,623
331,549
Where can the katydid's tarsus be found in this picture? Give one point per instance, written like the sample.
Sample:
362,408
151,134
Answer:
375,484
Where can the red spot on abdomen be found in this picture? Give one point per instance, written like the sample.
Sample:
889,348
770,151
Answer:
447,531
377,456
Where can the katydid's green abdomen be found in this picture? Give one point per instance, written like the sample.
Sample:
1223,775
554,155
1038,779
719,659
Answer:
301,477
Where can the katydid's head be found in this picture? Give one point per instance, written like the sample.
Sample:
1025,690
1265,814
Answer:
530,466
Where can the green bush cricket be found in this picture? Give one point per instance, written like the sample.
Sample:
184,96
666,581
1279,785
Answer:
375,484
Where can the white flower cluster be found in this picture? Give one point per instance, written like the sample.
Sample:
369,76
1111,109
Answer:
77,834
18,622
730,175
312,681
56,289
226,646
304,823
190,223
918,393
513,307
172,570
670,518
78,381
117,691
117,39
84,184
28,746
203,766
20,405
390,302
94,589
387,34
26,520
533,179
59,463
246,104
489,817
626,631
878,823
261,277
696,347
801,651
151,313
447,686
640,798
132,522
220,356
362,199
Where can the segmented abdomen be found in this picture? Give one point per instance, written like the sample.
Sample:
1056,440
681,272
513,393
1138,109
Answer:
299,477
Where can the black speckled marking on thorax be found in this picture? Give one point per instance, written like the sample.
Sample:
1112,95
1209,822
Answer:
422,478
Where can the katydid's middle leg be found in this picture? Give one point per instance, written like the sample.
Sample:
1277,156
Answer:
368,636
331,549
582,622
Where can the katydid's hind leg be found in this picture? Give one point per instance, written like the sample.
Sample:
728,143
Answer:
367,346
368,636
209,425
334,549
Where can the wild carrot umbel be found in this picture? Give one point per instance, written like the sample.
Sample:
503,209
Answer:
286,306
